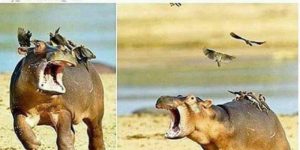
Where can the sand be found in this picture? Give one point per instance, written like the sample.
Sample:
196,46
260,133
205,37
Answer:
46,134
147,132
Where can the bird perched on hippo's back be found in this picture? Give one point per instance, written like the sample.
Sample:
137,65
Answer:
83,54
217,56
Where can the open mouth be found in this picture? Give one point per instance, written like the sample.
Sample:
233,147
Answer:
50,77
174,129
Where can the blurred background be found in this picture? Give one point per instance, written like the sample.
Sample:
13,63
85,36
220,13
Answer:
91,25
160,53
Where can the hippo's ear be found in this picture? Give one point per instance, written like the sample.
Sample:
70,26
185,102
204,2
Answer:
207,103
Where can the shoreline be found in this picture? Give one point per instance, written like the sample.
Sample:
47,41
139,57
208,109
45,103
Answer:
147,132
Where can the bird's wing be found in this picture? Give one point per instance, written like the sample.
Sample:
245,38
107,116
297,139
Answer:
211,54
72,43
236,36
88,53
227,58
24,37
83,53
258,43
178,4
57,30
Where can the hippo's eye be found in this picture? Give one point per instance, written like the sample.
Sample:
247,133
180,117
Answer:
192,98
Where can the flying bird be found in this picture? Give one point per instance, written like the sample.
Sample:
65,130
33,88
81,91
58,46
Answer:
177,4
59,39
249,42
217,56
24,37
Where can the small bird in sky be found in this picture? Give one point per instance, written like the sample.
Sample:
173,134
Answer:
24,37
217,56
177,4
249,42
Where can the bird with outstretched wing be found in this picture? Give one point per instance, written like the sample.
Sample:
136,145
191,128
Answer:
24,37
177,4
217,56
249,42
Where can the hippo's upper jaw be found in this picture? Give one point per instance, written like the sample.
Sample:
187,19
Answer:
50,76
178,111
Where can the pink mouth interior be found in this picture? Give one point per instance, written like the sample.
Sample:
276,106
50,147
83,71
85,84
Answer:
50,78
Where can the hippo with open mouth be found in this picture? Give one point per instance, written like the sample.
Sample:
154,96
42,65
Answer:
236,125
50,87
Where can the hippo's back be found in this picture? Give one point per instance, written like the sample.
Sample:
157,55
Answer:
260,129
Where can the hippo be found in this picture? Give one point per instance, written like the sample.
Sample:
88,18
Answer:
49,87
236,125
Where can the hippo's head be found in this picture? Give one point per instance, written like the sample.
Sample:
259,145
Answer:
43,66
184,110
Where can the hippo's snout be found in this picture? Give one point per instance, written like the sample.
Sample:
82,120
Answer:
62,57
165,102
51,71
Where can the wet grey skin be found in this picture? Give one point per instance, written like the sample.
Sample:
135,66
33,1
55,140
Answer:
49,87
228,126
248,42
217,56
24,37
58,39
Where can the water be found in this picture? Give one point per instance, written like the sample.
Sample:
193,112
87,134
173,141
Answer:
281,93
281,98
92,25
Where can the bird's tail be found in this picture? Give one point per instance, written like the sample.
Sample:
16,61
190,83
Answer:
231,92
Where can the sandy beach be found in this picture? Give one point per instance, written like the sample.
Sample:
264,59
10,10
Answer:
46,134
147,132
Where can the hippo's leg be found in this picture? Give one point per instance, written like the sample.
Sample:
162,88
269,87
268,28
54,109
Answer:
95,133
65,132
25,133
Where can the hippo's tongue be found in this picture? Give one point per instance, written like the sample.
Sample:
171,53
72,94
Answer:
50,77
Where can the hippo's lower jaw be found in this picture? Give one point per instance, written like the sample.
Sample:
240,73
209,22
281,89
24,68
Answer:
50,76
174,130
